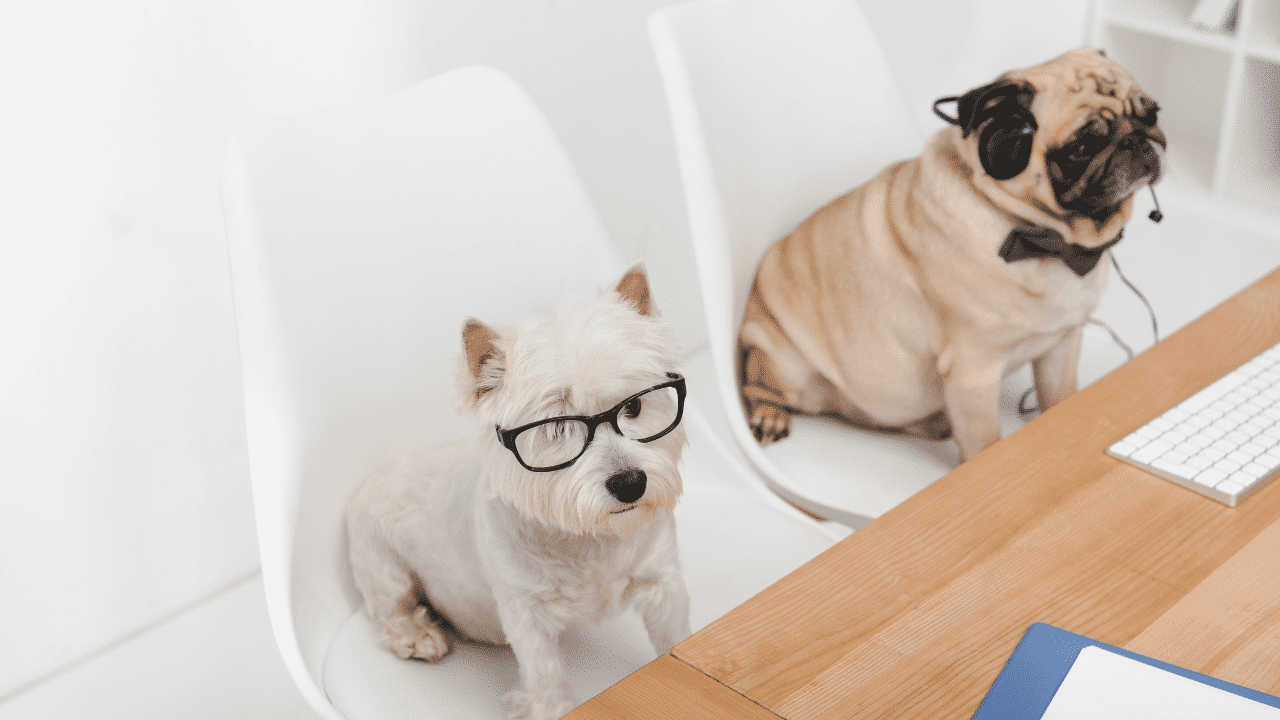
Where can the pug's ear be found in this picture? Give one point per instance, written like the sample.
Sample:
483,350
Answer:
634,288
483,357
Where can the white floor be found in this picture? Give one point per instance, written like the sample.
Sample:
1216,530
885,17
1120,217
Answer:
214,659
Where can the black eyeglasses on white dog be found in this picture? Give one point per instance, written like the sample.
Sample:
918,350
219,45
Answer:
558,442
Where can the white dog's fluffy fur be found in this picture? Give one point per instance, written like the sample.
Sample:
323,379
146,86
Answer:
506,555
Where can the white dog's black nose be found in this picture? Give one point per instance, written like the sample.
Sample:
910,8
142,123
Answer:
626,485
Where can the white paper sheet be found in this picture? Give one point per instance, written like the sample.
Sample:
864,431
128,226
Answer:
1102,685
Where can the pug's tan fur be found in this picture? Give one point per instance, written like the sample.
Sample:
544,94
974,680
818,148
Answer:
891,307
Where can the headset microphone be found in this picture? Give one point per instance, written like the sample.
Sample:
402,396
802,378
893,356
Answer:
1156,216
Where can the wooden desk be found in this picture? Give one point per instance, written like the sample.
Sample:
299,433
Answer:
914,615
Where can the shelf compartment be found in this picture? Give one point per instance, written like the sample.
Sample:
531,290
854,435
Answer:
1253,162
1170,19
1188,80
1263,38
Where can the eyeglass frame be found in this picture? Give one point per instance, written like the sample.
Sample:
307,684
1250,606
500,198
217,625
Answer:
508,437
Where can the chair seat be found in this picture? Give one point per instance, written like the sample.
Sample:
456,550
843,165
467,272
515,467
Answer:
726,561
842,466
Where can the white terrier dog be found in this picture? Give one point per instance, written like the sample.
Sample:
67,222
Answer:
561,515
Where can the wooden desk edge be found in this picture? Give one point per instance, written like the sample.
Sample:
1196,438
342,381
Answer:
669,688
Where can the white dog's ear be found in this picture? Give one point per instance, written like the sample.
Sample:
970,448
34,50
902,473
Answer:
478,340
634,288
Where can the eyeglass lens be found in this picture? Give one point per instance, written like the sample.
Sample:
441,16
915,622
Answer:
559,441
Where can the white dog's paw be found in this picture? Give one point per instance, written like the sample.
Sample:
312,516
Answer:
418,638
524,705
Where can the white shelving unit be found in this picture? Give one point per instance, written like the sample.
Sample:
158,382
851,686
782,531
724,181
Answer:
1218,90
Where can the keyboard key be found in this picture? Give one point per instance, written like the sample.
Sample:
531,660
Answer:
1151,451
1123,448
1254,470
1240,457
1265,440
1198,421
1177,458
1136,440
1224,425
1227,465
1173,468
1210,477
1199,441
1213,454
1199,463
1267,462
1253,450
1147,431
1237,437
1229,487
1162,424
1213,432
1243,478
1225,446
1173,438
1187,449
1237,417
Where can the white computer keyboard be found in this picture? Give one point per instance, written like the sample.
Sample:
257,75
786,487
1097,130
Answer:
1224,441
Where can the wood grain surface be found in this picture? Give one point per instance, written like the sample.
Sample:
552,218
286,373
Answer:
1229,625
913,615
668,688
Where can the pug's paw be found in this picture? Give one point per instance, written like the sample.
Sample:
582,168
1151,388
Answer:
769,423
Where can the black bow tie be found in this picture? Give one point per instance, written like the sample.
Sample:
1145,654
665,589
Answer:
1036,242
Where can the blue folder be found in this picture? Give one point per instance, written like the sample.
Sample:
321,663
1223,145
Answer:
1040,663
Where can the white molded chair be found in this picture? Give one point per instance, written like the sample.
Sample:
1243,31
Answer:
779,107
360,238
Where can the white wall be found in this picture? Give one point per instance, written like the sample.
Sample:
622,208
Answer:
121,440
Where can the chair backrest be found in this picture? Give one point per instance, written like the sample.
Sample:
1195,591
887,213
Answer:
779,107
360,239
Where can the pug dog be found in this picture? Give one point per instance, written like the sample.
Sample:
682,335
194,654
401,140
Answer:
902,304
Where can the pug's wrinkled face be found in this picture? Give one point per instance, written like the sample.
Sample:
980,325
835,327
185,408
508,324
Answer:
1075,136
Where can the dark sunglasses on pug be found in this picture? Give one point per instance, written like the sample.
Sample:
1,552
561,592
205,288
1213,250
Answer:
556,443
